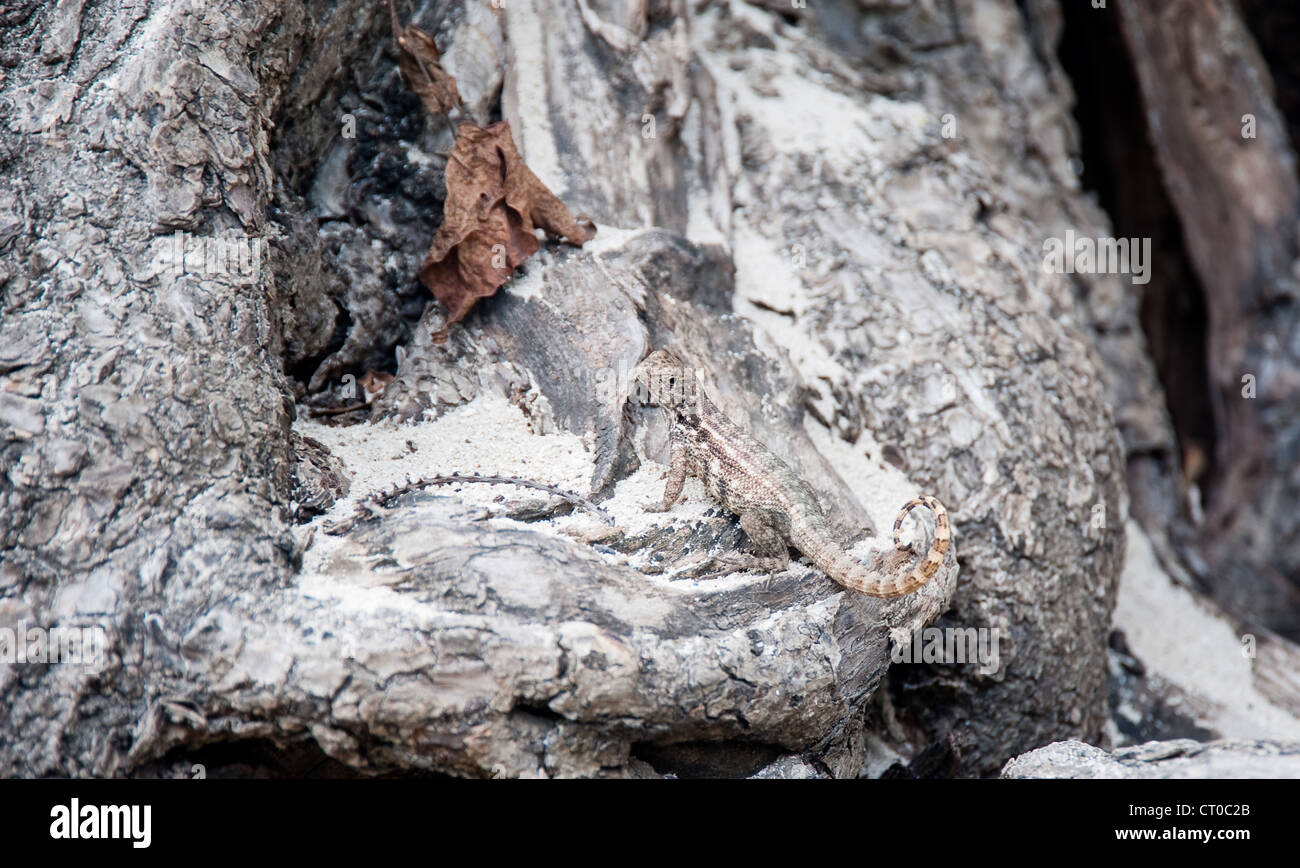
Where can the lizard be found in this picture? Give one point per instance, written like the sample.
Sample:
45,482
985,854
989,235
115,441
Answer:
777,508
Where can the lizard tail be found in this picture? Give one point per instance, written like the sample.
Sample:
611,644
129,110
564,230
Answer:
928,565
885,577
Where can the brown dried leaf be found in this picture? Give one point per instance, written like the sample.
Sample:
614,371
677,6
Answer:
494,204
420,62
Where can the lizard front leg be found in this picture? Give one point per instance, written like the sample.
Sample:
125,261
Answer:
676,471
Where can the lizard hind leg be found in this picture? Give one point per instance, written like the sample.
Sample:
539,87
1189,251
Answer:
767,531
763,528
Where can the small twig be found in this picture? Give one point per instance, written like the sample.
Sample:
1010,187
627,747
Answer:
382,499
335,411
450,478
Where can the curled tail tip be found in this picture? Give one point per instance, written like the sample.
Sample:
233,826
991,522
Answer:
929,502
934,557
892,584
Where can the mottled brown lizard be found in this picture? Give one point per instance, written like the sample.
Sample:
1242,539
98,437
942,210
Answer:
776,507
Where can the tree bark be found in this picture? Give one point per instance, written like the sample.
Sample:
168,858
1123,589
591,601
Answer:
1229,169
864,291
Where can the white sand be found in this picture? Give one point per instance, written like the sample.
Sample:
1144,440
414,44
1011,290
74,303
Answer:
492,437
1184,641
489,435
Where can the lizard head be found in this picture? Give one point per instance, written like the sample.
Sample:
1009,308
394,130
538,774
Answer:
662,380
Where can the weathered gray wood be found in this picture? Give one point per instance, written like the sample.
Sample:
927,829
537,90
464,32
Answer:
150,465
1182,759
1230,172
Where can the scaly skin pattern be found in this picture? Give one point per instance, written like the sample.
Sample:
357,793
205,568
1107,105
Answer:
776,507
